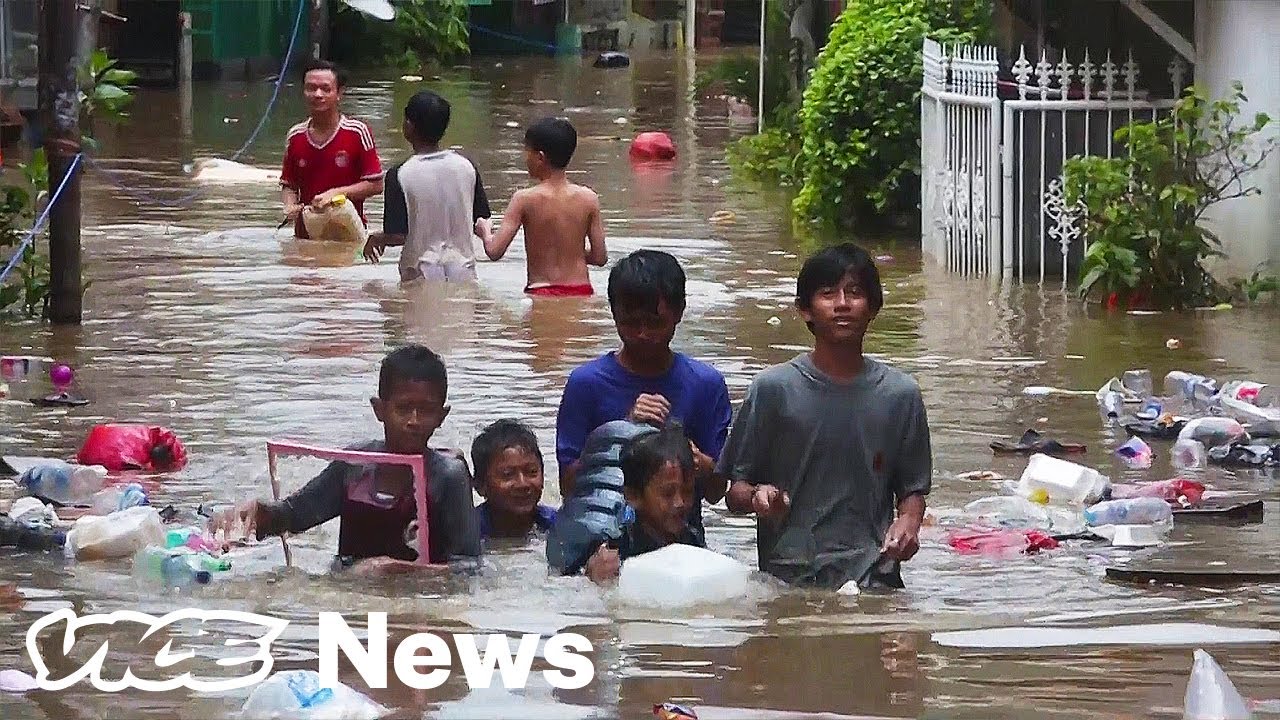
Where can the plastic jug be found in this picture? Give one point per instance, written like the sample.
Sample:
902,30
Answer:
1064,482
168,568
298,695
62,483
118,497
1138,382
1016,512
1213,431
1210,693
339,222
682,575
118,535
1130,511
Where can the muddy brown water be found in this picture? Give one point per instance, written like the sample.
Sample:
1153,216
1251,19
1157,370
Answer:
201,319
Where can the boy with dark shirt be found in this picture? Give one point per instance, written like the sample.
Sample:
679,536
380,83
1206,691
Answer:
828,445
376,503
509,469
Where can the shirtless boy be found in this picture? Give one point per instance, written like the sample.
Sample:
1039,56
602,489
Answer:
557,215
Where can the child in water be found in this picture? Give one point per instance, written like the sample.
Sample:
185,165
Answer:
376,503
508,467
657,480
557,215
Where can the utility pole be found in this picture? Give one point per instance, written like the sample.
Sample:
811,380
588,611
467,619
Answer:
59,95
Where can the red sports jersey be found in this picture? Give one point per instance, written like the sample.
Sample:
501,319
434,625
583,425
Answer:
345,159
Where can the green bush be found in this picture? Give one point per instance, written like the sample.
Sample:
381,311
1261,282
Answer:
424,31
860,119
1143,210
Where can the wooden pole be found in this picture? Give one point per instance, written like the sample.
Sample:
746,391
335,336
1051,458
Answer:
59,96
184,71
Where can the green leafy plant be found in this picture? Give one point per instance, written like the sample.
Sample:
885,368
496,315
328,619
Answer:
105,94
1142,212
860,119
423,31
1252,288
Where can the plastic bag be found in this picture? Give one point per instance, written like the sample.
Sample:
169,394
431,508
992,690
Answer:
120,447
298,695
983,541
1210,693
652,146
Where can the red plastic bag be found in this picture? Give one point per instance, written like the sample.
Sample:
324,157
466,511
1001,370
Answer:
989,541
133,447
653,146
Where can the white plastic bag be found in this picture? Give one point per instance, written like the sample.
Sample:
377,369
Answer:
118,535
679,575
1211,694
298,695
339,222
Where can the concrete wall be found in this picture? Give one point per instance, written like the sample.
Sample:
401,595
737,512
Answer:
1239,40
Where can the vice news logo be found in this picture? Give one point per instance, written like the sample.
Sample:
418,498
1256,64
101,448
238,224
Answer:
564,652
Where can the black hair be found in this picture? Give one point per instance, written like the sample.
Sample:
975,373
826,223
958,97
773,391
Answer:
429,115
411,362
338,73
643,458
499,436
644,277
830,265
553,137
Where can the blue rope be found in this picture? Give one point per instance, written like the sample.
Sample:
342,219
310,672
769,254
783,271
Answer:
504,36
40,221
262,122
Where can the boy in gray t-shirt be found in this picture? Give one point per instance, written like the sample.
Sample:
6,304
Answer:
828,445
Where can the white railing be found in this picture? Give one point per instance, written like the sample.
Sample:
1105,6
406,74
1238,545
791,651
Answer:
991,167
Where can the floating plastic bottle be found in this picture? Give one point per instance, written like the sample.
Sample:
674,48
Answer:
1210,693
118,497
1065,483
299,695
1184,493
1188,387
1213,431
62,483
190,538
337,222
171,569
1131,511
1112,404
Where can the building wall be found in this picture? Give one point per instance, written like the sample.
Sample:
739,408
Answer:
1238,40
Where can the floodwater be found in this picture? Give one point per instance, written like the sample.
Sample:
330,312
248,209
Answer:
203,320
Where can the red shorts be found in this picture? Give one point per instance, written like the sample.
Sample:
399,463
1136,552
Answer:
583,290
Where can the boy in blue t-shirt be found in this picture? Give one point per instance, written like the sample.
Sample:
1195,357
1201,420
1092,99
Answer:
508,467
645,381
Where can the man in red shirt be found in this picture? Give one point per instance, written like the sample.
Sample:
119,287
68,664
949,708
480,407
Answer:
329,154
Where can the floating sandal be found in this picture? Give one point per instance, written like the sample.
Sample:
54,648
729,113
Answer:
1034,442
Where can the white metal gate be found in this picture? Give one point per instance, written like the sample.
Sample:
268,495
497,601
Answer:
991,168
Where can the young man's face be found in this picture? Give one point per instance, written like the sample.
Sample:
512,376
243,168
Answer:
513,482
410,415
646,332
664,505
841,312
320,87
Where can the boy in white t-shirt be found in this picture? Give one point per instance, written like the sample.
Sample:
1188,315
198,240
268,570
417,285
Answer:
435,201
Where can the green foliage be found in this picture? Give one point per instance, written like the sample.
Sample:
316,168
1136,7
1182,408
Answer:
772,155
1254,286
423,31
860,119
1142,211
739,75
105,93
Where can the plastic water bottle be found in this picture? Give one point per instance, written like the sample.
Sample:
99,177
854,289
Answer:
118,497
1112,404
63,483
172,569
190,538
1189,387
1132,511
